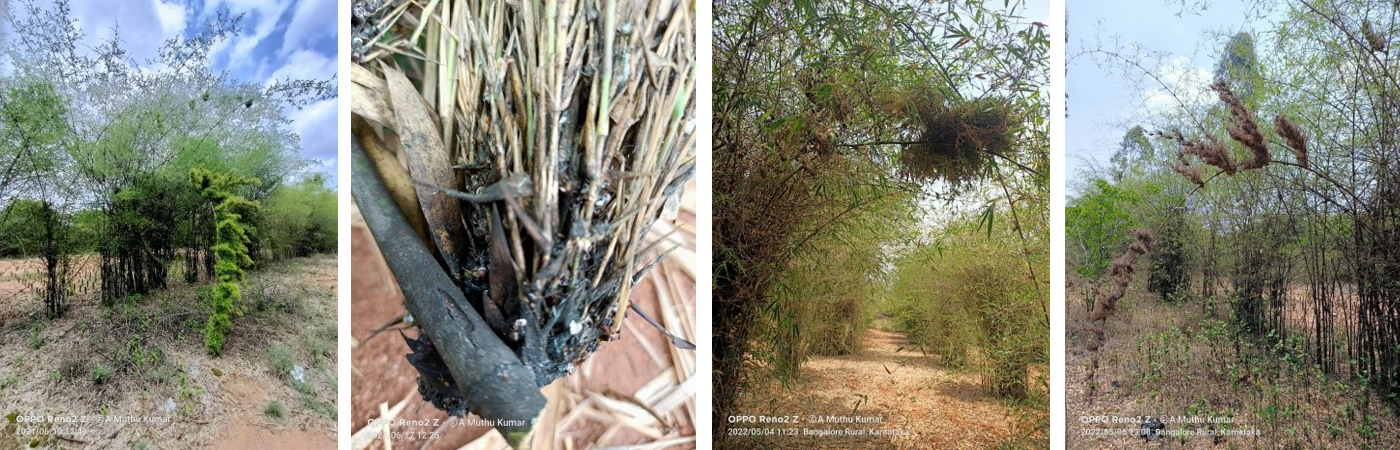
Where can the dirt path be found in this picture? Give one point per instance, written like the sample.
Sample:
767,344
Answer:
249,428
918,403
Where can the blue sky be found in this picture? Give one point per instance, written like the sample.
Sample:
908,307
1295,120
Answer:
1105,100
281,39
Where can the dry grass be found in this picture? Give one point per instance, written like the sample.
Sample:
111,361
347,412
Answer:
130,359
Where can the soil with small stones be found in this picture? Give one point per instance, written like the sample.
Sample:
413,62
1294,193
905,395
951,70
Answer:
918,403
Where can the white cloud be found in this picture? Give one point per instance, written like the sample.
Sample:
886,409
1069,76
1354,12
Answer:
143,26
312,19
304,64
316,125
171,17
1184,83
264,14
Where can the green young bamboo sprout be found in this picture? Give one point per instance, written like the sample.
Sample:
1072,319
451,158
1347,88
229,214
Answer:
231,249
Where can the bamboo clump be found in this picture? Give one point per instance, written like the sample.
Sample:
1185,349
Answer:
567,127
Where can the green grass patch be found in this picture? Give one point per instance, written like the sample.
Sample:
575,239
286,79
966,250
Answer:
275,410
101,374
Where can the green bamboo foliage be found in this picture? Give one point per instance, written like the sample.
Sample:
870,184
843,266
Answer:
967,301
230,249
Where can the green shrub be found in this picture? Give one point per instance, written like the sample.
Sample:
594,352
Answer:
308,398
36,336
824,301
1170,273
299,220
9,382
1096,226
100,374
968,300
279,357
321,344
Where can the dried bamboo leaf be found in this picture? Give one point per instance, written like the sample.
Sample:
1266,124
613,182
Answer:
365,437
427,162
367,95
393,173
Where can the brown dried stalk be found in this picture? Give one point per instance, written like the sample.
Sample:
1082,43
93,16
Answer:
1243,129
1211,150
1121,274
1188,170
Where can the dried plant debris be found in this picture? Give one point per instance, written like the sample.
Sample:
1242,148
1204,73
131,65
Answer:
1186,169
367,19
1120,275
568,131
1243,128
435,382
1373,38
1210,150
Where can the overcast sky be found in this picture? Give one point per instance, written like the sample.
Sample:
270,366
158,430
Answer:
281,39
1105,100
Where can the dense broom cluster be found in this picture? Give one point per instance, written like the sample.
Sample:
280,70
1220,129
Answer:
956,138
1243,129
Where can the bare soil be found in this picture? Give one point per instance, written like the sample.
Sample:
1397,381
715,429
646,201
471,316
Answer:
187,399
252,429
22,284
